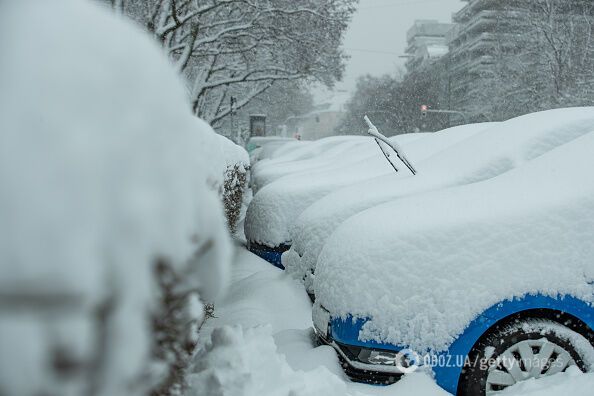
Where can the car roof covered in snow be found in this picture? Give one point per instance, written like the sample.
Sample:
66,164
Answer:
303,157
422,268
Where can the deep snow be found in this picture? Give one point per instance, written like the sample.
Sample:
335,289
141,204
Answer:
491,150
460,250
316,223
277,205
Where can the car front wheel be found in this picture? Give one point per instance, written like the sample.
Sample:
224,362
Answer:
526,349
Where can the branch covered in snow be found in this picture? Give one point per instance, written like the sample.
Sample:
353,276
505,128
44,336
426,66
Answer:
240,47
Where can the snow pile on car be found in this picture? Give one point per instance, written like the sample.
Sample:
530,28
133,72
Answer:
312,156
317,222
263,148
276,206
494,149
422,268
104,177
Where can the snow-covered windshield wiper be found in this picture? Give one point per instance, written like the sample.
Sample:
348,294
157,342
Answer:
379,139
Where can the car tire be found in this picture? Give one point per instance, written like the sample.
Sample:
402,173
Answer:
525,349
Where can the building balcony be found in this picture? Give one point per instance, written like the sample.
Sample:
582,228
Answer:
475,6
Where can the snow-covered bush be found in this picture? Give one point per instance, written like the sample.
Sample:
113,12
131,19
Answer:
109,228
235,180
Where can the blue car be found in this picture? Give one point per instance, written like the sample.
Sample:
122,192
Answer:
270,254
487,284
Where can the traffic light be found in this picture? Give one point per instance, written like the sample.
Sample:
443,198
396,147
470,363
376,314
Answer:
424,109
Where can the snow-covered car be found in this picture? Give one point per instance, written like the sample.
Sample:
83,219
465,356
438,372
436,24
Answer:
488,284
322,154
276,206
490,151
261,148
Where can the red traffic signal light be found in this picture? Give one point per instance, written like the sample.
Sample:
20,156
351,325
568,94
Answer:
424,109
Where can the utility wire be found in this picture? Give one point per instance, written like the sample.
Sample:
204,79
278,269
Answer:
399,4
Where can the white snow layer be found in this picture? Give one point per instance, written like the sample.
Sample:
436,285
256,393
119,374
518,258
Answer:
572,382
246,363
103,169
421,268
492,150
316,223
278,204
260,342
310,156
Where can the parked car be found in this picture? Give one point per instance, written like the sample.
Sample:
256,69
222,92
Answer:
302,157
491,150
488,284
275,206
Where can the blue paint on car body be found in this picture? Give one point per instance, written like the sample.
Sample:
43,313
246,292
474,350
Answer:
270,254
449,363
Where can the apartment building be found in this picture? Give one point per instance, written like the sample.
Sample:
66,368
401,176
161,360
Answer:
426,42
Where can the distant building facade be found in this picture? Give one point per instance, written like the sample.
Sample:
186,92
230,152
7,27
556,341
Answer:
426,42
319,123
481,31
490,36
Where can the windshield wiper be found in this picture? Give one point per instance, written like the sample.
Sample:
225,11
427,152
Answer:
379,139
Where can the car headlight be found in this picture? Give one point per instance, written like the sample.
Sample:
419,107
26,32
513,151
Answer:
373,356
379,357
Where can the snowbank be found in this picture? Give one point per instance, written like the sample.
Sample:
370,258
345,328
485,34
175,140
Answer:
240,356
572,382
103,173
246,362
317,222
276,206
421,268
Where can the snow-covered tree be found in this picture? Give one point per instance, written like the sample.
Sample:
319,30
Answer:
240,48
546,62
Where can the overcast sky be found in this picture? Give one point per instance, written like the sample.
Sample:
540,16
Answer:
377,35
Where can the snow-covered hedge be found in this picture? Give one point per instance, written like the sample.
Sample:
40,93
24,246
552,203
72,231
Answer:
235,180
111,233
